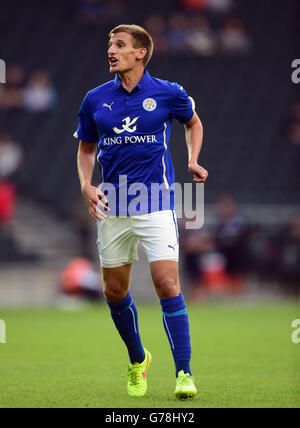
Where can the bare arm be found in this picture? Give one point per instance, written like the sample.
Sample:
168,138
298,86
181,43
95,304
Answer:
86,158
194,140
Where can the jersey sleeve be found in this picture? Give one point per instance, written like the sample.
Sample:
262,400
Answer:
183,106
87,129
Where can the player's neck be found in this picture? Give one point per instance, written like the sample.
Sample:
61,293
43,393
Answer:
131,78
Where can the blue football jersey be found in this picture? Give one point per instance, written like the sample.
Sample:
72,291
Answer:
132,132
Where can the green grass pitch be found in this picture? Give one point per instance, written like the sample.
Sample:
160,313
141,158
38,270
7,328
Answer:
243,356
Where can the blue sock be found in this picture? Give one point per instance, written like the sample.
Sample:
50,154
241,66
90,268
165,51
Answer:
124,315
176,323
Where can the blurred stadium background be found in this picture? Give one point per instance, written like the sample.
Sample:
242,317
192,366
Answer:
234,57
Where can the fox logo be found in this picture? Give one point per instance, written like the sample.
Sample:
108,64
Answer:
128,126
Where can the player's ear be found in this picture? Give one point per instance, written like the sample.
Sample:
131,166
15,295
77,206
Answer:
142,52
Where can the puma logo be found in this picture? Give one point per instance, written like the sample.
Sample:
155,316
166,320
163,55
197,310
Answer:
108,105
145,372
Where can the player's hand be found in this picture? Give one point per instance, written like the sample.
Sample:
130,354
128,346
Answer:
97,202
199,173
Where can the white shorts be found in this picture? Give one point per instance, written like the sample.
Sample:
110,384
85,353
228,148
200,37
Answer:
118,238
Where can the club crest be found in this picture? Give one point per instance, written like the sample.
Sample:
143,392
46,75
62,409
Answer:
149,104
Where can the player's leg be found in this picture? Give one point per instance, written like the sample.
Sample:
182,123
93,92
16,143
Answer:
175,317
117,248
176,322
123,311
159,235
116,282
165,278
124,314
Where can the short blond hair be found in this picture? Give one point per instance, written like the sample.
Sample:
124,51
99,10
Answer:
141,37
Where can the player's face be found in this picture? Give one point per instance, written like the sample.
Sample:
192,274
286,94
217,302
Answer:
121,53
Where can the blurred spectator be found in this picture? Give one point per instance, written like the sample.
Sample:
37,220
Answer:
212,265
114,10
39,94
157,28
11,155
200,39
80,279
233,39
11,91
230,235
88,12
290,258
293,133
257,249
215,259
293,127
194,35
206,265
216,6
219,6
194,5
10,161
7,204
84,229
92,13
296,111
192,245
11,158
8,248
177,33
269,259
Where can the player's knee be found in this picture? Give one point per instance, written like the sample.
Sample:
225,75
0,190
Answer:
167,287
114,294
